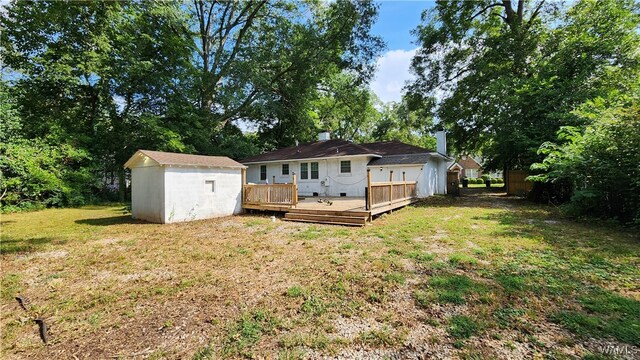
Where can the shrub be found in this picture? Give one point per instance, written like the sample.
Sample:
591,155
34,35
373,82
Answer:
35,174
479,181
598,162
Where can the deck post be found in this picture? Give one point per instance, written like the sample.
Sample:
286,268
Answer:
404,181
368,199
390,186
274,180
243,172
295,189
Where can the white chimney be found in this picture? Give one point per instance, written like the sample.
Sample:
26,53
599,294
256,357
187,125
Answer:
441,142
324,136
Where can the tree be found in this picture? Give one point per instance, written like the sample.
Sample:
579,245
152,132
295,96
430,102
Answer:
345,108
262,61
510,74
399,122
97,75
473,55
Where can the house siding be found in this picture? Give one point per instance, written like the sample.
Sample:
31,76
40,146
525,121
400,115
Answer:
330,181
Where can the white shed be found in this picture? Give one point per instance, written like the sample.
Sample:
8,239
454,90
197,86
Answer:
170,187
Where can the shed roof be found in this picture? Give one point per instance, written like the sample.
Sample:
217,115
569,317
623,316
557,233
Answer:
177,159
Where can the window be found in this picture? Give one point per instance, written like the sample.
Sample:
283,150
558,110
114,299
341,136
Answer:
471,173
304,171
263,172
210,186
285,169
345,167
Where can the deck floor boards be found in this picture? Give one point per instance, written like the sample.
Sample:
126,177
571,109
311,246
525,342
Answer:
330,206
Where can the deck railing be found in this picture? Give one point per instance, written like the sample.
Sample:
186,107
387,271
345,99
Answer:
270,194
388,193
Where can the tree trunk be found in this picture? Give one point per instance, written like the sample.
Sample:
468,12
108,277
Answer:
122,185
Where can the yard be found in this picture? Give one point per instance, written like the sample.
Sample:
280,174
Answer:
482,276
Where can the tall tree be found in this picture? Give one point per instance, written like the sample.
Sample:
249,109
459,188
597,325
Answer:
97,75
263,61
507,75
345,108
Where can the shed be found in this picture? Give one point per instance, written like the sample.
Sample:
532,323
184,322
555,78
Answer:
171,187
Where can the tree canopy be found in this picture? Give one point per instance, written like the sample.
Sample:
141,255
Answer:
103,78
504,76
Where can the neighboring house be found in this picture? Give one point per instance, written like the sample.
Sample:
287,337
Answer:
335,167
454,166
467,166
169,187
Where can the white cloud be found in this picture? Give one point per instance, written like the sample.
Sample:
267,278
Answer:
392,73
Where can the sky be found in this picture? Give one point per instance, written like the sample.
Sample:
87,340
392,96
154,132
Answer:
396,19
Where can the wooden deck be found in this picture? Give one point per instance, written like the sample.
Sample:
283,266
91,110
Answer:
348,211
380,197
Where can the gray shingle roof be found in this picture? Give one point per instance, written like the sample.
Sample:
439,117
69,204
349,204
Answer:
404,159
168,158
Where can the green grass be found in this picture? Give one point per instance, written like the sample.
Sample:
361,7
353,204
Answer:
247,331
454,289
462,327
497,269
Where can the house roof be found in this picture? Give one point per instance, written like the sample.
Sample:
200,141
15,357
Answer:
394,148
317,149
339,147
177,159
405,159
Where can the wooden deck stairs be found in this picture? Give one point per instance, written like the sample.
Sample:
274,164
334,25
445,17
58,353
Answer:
348,218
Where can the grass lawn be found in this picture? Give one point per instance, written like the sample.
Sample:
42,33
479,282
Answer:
493,185
474,277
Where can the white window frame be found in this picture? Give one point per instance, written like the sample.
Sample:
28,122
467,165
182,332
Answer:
265,173
349,163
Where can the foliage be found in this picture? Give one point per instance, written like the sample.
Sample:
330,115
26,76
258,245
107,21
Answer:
113,77
32,175
345,108
399,121
600,163
504,76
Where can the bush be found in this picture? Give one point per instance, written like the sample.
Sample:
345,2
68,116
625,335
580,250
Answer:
479,181
599,163
35,174
486,177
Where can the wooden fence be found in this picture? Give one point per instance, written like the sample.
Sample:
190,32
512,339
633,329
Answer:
388,193
516,183
270,194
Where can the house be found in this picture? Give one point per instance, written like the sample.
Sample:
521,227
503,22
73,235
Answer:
467,166
335,167
169,187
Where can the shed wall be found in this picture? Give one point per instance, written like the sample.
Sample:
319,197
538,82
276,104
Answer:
189,194
147,195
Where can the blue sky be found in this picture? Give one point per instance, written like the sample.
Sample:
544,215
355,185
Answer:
395,21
